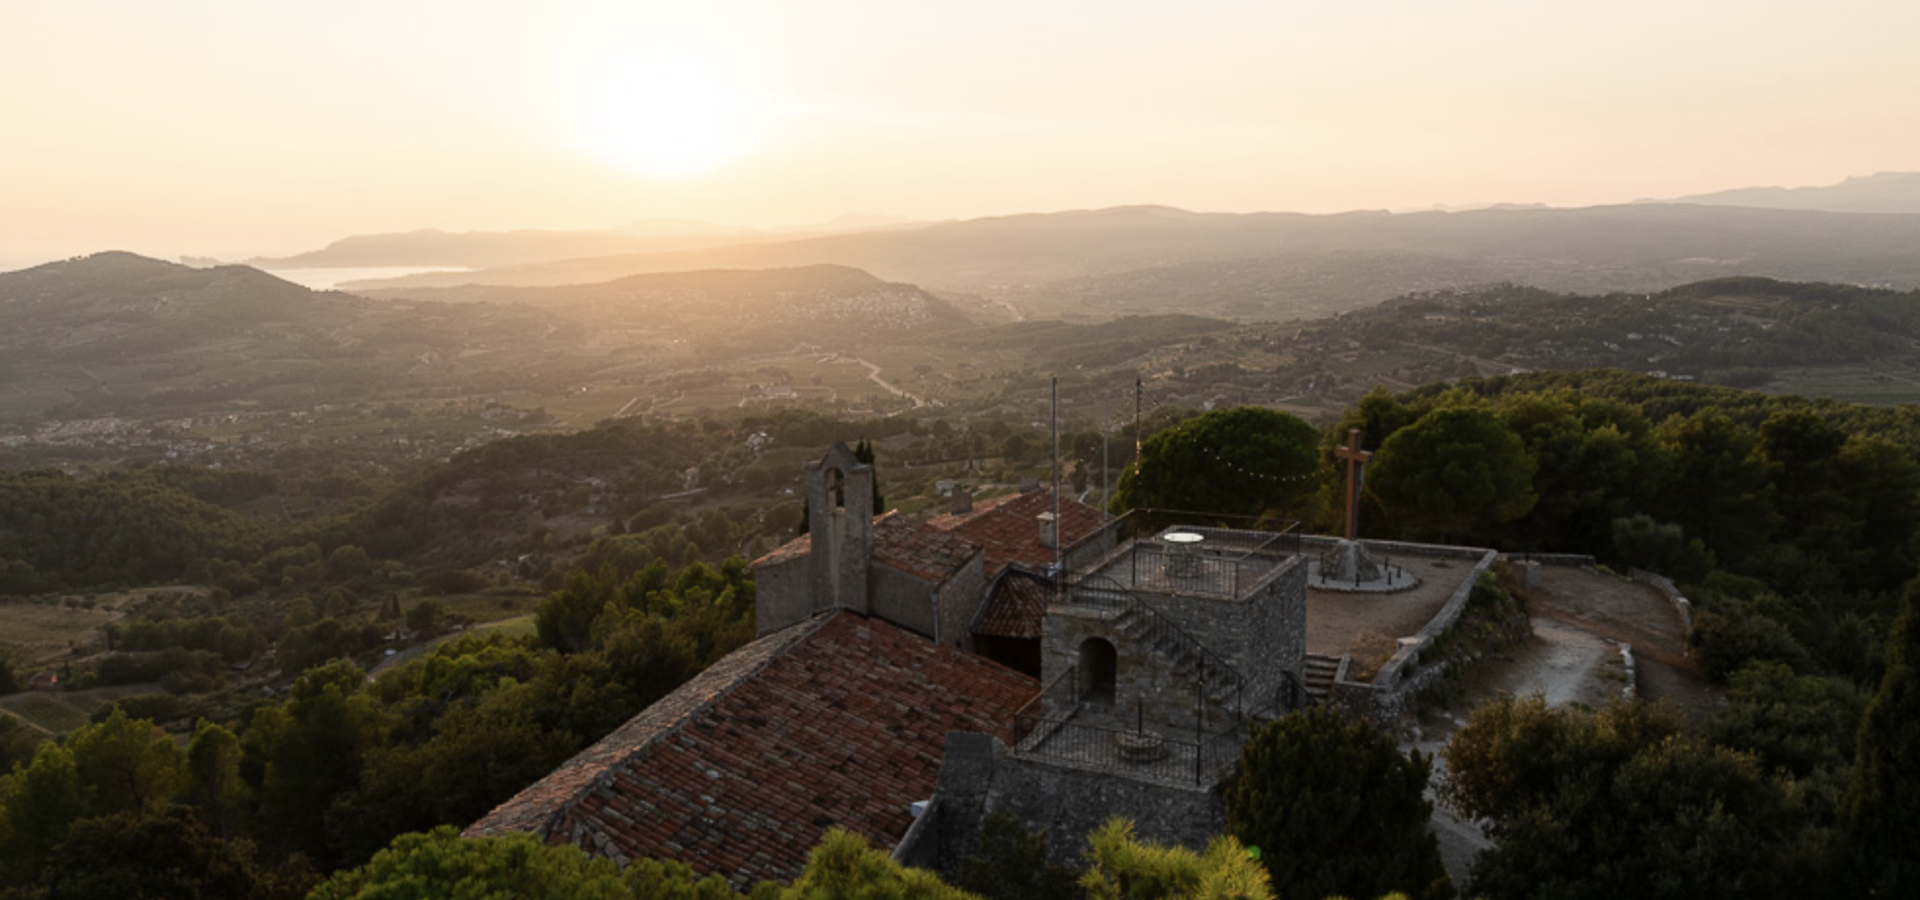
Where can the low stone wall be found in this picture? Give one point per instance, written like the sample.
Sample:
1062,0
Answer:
979,776
1576,560
1402,677
1389,677
1671,591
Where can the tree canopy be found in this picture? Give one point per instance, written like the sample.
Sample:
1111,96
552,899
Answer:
1619,803
1245,461
1336,809
1457,469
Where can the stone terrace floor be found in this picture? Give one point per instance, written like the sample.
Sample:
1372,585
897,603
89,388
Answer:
1369,626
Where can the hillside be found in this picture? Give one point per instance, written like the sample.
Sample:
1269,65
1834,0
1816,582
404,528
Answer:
1697,329
116,333
433,247
809,303
1598,249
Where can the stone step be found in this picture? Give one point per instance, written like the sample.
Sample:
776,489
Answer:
1319,676
1221,684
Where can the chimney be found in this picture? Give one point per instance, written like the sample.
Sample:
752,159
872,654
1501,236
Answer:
962,499
1049,530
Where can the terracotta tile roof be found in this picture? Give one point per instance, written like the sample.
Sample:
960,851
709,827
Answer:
898,541
793,549
1008,527
911,547
839,720
1016,602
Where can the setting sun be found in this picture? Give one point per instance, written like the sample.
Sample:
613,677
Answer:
668,115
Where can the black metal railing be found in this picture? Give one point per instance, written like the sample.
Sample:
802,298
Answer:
1288,696
1216,561
1199,757
1219,677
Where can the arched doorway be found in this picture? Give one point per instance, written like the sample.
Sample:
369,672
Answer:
1098,665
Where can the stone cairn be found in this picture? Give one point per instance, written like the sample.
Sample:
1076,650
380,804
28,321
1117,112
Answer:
1349,562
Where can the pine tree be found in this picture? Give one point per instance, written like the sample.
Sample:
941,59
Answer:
1335,809
1878,820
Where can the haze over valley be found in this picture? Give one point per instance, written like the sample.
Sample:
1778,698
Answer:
584,447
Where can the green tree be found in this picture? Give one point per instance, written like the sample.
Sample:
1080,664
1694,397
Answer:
564,620
39,803
844,867
160,855
666,879
1593,460
128,765
441,865
1244,461
1617,803
1877,818
18,743
9,678
214,785
1799,724
1718,487
301,755
480,754
1121,867
1454,473
1013,864
863,452
427,617
1335,808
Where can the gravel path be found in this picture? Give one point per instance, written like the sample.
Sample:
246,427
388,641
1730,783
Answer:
1579,618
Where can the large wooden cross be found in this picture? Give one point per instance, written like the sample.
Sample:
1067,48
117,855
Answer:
1355,458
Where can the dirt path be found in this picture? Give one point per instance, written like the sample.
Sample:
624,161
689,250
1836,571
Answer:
1580,619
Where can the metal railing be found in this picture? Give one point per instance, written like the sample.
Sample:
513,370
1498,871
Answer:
1100,592
1056,703
1220,562
1198,758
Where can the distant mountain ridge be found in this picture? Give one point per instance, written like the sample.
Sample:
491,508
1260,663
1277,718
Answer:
1886,192
1596,249
473,249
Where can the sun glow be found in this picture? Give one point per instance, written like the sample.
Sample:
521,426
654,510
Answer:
670,115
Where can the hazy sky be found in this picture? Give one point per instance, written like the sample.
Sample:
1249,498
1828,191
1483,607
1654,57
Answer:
232,127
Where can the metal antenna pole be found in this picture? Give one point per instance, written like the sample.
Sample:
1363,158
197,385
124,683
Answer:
1059,533
1106,427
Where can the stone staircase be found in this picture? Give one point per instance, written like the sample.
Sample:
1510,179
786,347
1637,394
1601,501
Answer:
1320,675
1191,659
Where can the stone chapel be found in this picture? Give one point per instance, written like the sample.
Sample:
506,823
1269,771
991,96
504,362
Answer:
1026,654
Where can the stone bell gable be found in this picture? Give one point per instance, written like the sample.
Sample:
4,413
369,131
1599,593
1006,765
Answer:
839,529
929,577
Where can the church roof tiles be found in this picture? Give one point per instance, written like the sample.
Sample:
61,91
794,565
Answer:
838,720
1008,527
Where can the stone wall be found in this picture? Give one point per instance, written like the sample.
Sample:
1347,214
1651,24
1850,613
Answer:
979,776
1671,591
902,598
1402,677
960,601
782,595
1147,685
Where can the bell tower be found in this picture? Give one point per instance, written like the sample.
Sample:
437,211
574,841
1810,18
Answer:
840,529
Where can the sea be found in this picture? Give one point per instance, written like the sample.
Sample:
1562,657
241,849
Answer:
326,279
